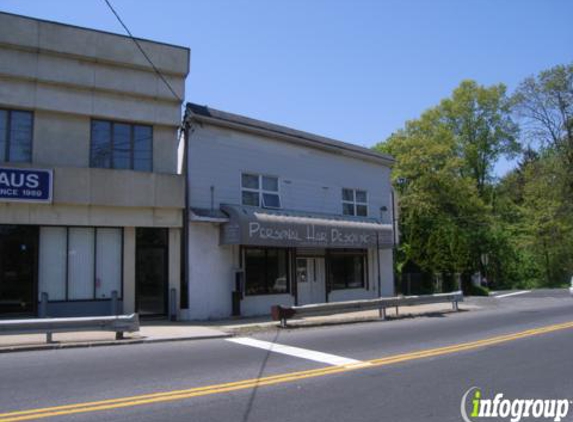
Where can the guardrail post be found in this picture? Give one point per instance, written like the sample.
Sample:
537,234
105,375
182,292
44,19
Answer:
382,313
43,311
173,304
455,305
114,302
397,312
458,278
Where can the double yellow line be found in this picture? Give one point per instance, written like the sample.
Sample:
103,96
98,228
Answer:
118,403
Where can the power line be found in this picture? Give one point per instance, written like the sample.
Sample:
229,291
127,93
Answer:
143,51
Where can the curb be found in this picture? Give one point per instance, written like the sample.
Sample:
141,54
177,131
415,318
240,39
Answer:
125,342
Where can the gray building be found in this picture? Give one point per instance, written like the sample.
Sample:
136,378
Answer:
90,199
280,216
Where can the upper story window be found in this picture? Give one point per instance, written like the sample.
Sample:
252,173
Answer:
16,128
260,191
355,202
116,145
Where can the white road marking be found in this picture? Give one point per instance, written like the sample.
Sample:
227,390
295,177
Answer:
513,294
297,352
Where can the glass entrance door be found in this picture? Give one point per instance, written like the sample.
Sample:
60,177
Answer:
18,268
151,271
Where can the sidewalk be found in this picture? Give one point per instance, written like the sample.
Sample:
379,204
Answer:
150,332
164,331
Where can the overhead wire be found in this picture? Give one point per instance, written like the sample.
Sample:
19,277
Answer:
157,71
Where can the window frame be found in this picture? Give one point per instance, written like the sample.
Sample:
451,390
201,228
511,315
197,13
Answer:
8,132
261,191
331,253
132,127
287,252
93,297
354,202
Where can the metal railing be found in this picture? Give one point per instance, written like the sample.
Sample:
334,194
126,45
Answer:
282,314
119,324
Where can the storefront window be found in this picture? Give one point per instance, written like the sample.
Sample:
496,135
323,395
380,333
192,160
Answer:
80,263
266,271
347,269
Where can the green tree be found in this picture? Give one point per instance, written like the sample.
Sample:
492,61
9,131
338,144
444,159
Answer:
452,209
545,105
440,209
480,120
547,226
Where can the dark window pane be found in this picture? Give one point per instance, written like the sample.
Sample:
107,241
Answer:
270,184
255,271
251,198
347,209
121,146
347,270
101,144
362,210
271,200
250,181
301,270
142,148
347,195
356,275
280,283
3,138
20,148
266,271
361,196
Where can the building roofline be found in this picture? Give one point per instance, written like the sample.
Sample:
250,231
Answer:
101,31
234,121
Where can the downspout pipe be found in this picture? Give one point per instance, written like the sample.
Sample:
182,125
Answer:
378,264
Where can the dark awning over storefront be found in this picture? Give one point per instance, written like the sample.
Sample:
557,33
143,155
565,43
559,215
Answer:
264,227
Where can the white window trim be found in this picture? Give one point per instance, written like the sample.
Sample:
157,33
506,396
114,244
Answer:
262,191
354,201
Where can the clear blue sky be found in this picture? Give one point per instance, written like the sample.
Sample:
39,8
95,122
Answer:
353,70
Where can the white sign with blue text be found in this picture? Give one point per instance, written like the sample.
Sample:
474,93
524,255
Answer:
26,185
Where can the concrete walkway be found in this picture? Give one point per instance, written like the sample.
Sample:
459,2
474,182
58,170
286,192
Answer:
150,332
161,331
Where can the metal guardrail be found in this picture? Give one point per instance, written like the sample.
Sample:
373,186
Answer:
282,314
119,323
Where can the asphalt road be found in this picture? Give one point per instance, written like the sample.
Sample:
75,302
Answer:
411,369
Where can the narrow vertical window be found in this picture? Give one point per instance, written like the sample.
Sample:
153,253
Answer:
16,130
52,266
122,150
101,144
142,148
81,263
3,134
108,262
